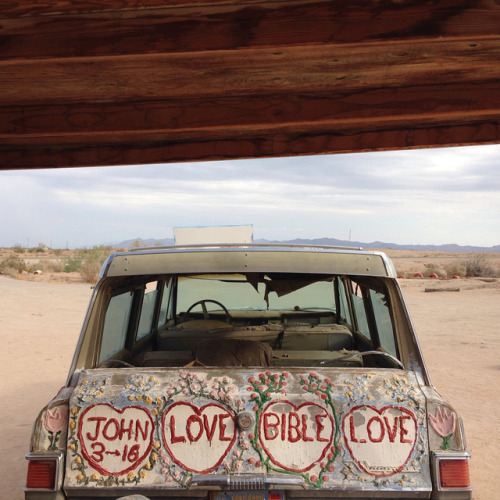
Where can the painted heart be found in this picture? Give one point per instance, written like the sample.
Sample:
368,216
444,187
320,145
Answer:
198,438
115,440
380,440
295,437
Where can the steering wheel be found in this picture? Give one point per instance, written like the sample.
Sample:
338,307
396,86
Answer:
206,314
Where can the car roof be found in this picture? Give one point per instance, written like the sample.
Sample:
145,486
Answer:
248,258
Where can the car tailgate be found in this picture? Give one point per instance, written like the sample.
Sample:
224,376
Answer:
199,428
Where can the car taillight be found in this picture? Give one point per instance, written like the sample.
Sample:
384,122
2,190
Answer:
41,474
454,473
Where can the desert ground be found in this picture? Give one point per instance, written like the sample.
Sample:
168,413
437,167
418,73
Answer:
41,317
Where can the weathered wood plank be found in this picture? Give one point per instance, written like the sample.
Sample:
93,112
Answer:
478,101
261,144
51,7
85,29
290,70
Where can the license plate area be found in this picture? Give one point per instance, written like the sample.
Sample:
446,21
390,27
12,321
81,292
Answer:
247,495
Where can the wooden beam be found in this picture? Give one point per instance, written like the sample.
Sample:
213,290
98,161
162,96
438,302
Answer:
117,82
32,29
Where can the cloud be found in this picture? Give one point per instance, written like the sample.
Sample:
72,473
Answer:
422,196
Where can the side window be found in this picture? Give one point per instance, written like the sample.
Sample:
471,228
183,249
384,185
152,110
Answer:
360,311
166,306
373,316
147,310
384,321
116,325
345,314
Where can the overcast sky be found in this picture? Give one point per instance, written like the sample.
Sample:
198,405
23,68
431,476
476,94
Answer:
431,196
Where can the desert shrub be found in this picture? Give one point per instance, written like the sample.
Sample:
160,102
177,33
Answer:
456,269
12,265
72,264
476,265
432,269
86,261
17,248
49,266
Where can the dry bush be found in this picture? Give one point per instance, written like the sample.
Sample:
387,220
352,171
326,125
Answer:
49,266
477,265
87,262
433,269
12,266
456,269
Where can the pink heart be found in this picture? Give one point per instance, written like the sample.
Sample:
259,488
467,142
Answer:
295,437
198,438
115,440
380,440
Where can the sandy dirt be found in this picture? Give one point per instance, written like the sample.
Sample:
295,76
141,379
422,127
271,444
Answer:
41,317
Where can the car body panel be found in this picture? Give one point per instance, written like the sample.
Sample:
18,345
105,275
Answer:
317,401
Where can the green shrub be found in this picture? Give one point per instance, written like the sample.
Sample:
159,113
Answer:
72,264
432,269
87,262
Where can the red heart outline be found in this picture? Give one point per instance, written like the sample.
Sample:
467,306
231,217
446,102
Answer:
120,411
380,412
198,411
296,408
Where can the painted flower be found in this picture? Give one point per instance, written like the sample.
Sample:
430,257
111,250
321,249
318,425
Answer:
443,421
55,420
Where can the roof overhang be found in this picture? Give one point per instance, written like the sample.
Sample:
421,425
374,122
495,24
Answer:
134,82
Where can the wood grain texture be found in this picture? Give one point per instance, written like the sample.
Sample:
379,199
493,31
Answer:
134,27
114,82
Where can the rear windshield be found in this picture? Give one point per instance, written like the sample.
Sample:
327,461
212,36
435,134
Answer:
290,319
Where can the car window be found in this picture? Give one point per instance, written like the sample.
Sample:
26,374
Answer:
147,310
166,306
358,304
237,292
345,313
383,321
116,325
373,316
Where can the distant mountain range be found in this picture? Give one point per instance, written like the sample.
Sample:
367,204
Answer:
452,247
